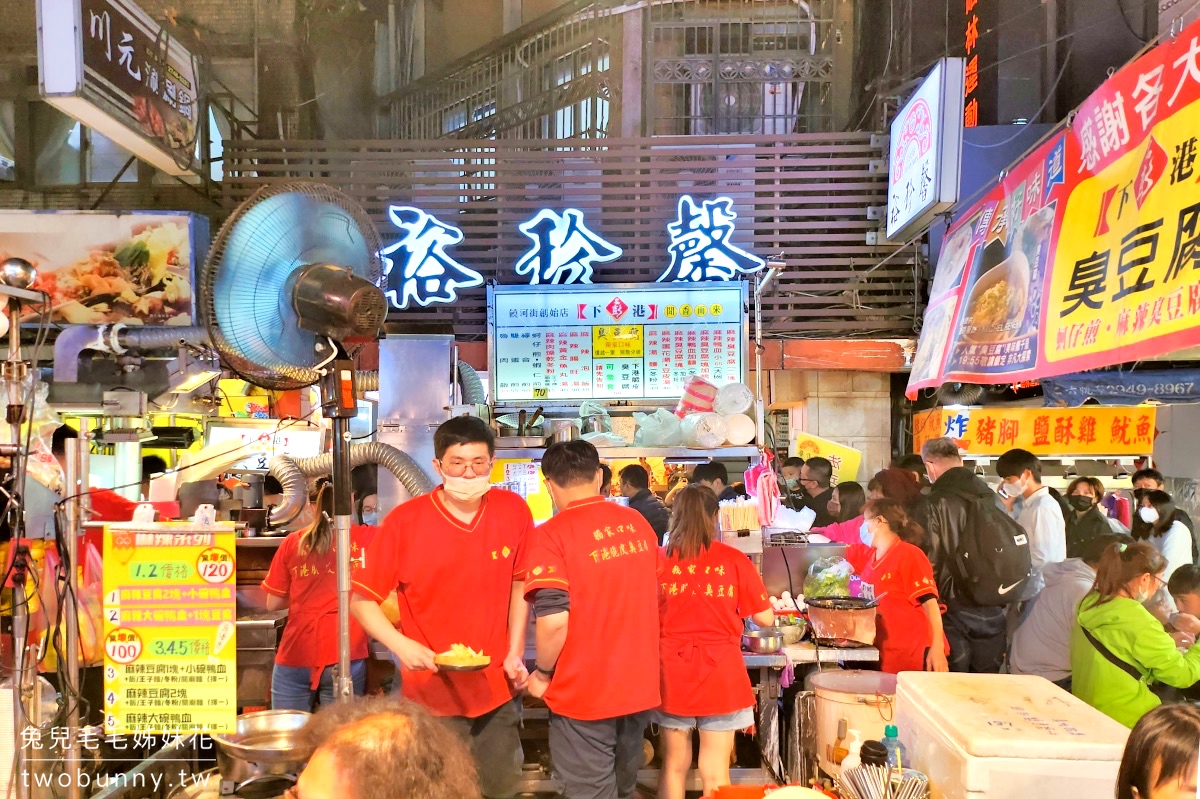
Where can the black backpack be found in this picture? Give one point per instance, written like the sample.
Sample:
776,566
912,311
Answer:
993,554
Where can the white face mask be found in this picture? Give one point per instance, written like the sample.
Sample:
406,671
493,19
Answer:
466,489
1016,488
1148,515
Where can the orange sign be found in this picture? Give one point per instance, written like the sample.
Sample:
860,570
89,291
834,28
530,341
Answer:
1051,432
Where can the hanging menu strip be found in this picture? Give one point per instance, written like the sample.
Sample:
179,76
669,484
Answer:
600,342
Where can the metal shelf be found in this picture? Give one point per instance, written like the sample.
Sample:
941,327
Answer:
626,453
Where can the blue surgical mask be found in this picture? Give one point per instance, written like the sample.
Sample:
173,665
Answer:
371,519
792,483
865,534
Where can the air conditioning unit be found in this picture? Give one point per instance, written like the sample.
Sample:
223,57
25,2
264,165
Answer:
744,108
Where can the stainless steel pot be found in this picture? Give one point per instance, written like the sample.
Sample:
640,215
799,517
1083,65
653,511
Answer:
597,423
563,430
762,642
266,743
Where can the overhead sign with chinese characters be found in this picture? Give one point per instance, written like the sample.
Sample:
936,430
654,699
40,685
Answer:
1047,432
109,65
170,649
417,269
613,342
701,244
926,151
563,249
1086,254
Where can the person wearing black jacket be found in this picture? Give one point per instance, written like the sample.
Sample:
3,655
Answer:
976,633
635,484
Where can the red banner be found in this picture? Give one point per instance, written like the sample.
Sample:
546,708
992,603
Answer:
1085,255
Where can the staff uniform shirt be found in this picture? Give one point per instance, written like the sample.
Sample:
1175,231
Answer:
453,583
309,583
899,579
605,557
1041,517
702,602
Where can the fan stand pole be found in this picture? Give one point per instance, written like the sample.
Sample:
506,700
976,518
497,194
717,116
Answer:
339,405
343,684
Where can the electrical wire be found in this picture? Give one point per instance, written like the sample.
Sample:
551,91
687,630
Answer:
1036,114
1128,25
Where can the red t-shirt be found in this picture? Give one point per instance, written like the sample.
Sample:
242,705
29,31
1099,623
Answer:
604,556
702,602
900,579
309,583
453,582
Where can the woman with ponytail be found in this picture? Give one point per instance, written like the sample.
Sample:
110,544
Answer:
1118,650
303,579
890,561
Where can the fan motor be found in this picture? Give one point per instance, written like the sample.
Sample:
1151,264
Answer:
332,301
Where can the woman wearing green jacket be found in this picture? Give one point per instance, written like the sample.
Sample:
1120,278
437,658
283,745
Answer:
1117,648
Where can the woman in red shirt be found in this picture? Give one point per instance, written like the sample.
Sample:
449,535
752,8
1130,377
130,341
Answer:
303,578
890,562
706,589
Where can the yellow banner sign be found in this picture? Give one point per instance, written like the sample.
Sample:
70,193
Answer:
846,460
1052,432
170,647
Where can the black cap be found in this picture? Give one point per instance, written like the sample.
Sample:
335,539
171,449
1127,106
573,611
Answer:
873,753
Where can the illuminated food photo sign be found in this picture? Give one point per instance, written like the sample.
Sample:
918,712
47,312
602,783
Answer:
109,65
104,268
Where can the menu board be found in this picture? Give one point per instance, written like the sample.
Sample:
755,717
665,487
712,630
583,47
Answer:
613,342
170,646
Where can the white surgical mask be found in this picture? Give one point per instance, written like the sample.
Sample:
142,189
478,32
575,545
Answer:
1148,515
1016,488
466,489
865,534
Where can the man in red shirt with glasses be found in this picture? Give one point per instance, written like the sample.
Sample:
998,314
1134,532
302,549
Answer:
453,557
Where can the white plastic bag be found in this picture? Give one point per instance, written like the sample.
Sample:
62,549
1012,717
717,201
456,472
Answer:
658,429
703,430
604,440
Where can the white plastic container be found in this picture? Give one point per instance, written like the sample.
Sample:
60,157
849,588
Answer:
1006,736
865,699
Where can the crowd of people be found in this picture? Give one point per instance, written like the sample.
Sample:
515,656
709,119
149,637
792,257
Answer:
637,610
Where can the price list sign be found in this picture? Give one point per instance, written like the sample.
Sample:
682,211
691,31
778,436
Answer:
613,342
169,629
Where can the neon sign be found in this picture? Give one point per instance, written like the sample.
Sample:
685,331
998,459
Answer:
700,244
563,250
417,268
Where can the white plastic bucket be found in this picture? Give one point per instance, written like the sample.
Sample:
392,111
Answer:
865,699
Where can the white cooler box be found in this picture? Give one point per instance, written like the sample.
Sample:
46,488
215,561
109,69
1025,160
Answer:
1006,736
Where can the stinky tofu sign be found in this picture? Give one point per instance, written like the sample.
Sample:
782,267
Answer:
110,66
609,342
1087,254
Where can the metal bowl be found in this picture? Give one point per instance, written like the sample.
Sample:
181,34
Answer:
792,628
762,642
267,742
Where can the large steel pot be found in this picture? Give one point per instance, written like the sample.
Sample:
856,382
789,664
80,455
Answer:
266,743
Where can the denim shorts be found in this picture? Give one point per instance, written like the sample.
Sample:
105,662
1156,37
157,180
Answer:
725,722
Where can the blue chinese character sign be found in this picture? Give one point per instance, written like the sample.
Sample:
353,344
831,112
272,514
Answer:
417,268
700,244
564,249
